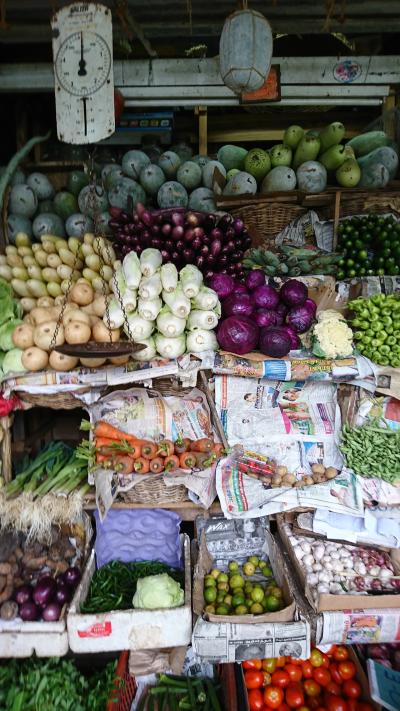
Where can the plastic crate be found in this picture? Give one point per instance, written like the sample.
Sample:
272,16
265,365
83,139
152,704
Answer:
124,689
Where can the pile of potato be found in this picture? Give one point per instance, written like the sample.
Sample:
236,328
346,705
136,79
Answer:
81,322
282,477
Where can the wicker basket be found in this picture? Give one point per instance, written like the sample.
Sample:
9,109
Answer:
155,491
265,220
55,401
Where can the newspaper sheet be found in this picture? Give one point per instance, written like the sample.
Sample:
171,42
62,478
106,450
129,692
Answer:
359,626
226,642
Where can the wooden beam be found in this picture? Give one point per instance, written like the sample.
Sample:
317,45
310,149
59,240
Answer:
203,136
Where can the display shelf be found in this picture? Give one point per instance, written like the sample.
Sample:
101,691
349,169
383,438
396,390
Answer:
187,510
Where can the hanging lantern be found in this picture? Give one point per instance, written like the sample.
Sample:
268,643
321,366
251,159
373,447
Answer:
245,51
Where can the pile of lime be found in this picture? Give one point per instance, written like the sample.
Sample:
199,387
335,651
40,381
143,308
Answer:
232,593
376,328
370,245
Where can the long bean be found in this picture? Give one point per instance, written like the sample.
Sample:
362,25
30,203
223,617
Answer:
372,451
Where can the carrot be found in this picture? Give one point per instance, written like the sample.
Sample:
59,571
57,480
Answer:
103,429
187,460
171,463
149,450
204,459
102,459
104,442
182,445
218,449
165,448
122,464
157,465
141,465
202,445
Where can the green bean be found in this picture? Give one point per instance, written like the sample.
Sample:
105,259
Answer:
215,705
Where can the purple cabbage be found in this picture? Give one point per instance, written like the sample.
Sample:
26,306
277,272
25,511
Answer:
266,317
254,279
238,305
300,318
238,334
295,341
293,292
282,310
240,288
223,284
310,303
275,342
265,297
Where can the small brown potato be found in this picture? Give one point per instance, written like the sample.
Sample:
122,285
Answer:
22,336
34,359
99,305
119,360
45,302
318,469
318,478
77,332
42,315
93,320
43,335
59,300
27,304
308,480
82,294
289,480
331,472
101,333
299,484
92,362
75,315
61,362
281,471
276,480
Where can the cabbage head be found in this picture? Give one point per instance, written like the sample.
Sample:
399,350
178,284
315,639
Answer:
158,591
6,332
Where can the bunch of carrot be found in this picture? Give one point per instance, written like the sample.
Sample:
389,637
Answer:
128,454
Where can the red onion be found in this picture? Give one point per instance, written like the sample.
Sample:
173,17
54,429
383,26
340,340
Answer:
192,219
44,590
29,612
72,575
52,612
23,594
178,219
178,232
166,229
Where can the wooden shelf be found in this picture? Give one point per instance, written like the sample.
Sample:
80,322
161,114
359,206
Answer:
187,510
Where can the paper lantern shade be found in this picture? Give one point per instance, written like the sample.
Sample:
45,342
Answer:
245,51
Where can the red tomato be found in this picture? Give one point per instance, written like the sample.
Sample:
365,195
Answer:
321,675
294,696
296,662
294,672
335,703
326,661
311,687
304,708
333,688
316,658
256,700
320,708
352,689
253,664
280,678
347,670
341,653
267,678
335,674
352,705
313,702
273,697
331,650
364,707
307,669
281,661
253,679
269,665
283,707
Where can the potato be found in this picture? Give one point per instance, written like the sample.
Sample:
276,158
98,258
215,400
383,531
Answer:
99,305
331,472
28,304
22,336
42,314
77,332
101,333
318,469
281,471
276,480
82,294
318,478
45,302
35,359
62,362
92,362
308,480
43,335
75,314
119,360
289,480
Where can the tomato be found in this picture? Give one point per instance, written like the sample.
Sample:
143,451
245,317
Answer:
331,651
267,678
281,661
313,702
335,703
311,687
256,700
273,697
335,674
364,707
316,658
347,670
333,688
307,669
253,679
352,705
296,662
352,689
304,708
294,696
341,653
294,672
253,664
283,707
280,678
321,675
325,661
269,665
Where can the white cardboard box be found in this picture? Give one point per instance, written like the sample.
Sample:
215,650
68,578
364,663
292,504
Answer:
22,639
129,629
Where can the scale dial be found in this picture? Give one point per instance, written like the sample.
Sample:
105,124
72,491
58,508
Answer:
83,72
83,63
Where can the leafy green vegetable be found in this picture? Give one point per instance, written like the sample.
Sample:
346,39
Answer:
157,591
6,308
12,362
6,332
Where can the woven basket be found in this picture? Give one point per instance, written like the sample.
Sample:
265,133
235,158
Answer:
265,220
154,491
55,401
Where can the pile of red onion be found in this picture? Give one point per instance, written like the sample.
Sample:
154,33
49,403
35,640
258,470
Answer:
45,599
255,315
214,244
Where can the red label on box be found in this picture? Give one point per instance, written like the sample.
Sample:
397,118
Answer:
100,629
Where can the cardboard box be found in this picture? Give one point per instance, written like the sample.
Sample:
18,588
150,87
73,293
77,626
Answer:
327,602
129,629
205,564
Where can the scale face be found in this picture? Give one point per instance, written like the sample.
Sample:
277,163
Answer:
83,72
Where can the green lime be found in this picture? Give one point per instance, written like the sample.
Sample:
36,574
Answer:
210,594
253,559
248,586
249,568
223,586
236,581
267,571
241,610
228,600
239,591
209,581
210,609
221,595
276,592
256,609
237,600
272,603
222,578
222,610
256,595
215,573
233,566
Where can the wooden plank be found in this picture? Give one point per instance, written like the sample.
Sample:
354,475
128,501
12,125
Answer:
187,510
